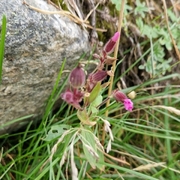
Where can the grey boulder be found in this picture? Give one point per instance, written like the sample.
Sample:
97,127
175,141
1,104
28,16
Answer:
36,45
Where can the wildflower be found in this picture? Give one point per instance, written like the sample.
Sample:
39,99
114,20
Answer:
68,96
77,77
110,45
121,97
94,78
100,75
72,97
128,104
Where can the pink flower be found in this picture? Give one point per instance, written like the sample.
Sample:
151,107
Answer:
72,97
128,104
115,37
121,97
77,77
110,45
68,96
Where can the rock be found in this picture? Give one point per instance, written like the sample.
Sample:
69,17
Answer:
36,45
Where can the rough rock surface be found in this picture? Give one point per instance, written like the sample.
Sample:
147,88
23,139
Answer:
36,45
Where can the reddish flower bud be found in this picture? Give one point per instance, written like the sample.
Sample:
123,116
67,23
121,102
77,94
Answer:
77,77
100,75
121,97
110,45
93,78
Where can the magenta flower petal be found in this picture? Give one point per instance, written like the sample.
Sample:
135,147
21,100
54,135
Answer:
115,37
72,97
128,104
68,96
110,45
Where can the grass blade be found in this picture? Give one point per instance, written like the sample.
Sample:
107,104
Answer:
2,44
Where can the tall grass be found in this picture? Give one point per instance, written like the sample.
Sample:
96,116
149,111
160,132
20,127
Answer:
145,146
145,142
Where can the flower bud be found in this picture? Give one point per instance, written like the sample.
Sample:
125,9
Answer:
121,97
132,95
93,78
110,45
100,75
77,77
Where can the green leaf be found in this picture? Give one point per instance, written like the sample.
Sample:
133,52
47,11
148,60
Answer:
142,66
141,8
117,3
95,103
2,44
172,16
94,93
92,153
140,24
100,162
84,117
158,52
56,131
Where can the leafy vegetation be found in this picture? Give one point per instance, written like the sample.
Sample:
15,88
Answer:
142,144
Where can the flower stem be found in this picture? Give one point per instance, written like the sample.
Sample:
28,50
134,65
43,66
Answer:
114,63
104,101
